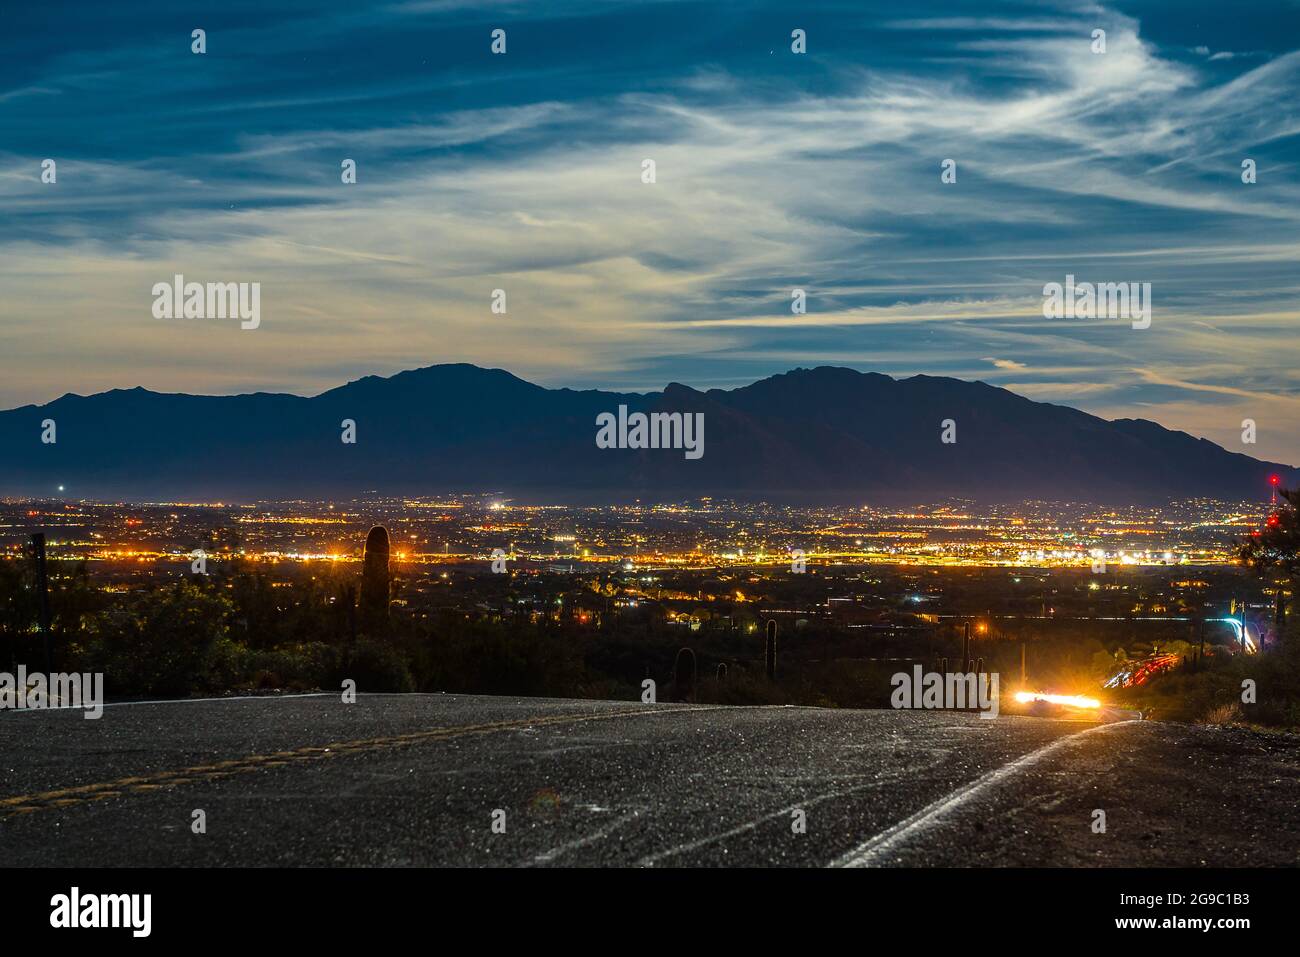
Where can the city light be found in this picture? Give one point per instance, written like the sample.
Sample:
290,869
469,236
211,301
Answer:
1069,700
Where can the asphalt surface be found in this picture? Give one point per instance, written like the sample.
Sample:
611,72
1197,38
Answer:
415,780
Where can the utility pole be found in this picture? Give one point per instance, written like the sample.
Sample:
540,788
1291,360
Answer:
1024,670
43,596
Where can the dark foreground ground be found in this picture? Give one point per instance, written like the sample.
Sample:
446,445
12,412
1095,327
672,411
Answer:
416,779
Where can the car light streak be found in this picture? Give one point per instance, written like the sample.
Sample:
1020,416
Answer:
1070,700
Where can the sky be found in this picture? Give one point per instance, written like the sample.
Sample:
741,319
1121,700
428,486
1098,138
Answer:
774,171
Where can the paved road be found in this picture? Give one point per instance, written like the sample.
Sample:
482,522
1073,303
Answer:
415,779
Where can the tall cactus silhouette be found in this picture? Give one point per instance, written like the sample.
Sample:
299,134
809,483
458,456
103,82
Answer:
375,579
684,675
771,648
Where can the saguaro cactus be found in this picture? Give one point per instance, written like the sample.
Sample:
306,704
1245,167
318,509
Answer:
684,675
771,649
375,579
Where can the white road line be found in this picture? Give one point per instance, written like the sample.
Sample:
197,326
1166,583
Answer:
127,704
651,859
233,697
383,694
598,835
871,852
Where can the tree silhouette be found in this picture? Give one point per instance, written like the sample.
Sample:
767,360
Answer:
1276,546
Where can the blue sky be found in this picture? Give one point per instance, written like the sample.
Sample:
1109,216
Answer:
774,171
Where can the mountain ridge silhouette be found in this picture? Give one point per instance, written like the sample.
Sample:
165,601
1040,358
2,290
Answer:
806,436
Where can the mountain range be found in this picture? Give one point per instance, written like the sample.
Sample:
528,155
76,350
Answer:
809,436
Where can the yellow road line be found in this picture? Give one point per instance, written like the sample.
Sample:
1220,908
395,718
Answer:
86,793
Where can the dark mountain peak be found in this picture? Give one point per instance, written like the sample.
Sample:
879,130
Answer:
461,372
677,391
951,383
801,381
109,396
819,376
436,382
